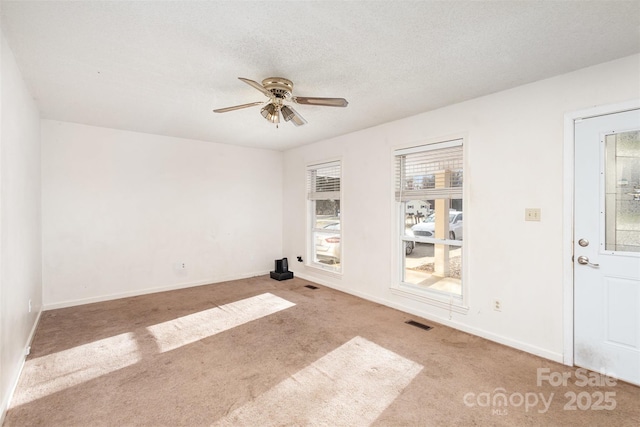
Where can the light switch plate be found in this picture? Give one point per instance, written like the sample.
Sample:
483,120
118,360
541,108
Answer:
532,214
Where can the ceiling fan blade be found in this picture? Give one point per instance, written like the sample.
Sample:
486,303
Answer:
327,102
237,107
257,86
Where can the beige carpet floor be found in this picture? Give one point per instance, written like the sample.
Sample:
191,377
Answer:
258,352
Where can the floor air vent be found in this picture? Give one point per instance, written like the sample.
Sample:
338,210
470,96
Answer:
310,286
419,325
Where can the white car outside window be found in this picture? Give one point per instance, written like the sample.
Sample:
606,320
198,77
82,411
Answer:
328,245
427,227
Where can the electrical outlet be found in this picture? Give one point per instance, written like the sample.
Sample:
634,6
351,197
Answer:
180,268
496,304
532,214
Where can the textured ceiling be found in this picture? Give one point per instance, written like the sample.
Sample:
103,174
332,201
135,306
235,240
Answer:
161,67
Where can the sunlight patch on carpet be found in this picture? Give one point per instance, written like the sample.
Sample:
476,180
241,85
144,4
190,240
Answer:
352,385
57,371
194,327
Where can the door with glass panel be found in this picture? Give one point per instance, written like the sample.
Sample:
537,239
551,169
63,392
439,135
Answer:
607,245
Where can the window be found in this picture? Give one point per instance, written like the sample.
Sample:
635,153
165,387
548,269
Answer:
323,194
428,190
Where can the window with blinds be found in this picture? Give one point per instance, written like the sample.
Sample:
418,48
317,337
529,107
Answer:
323,181
429,192
325,236
429,172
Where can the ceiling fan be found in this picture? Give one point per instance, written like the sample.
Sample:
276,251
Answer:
280,92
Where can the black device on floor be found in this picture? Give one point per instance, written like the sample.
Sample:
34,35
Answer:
282,270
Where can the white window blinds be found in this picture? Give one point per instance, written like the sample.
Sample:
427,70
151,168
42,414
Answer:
429,172
323,181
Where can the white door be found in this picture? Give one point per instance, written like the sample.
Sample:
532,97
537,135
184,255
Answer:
607,245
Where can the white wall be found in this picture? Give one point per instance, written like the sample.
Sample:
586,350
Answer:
120,209
514,160
20,247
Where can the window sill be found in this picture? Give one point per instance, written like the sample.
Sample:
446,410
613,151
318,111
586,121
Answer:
325,270
422,295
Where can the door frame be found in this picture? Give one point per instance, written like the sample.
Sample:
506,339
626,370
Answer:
568,213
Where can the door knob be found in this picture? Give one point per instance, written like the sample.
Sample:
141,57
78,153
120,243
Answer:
585,261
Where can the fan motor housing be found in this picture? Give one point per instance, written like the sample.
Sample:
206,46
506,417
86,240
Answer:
279,86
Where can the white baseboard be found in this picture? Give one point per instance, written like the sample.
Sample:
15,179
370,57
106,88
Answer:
14,381
500,339
509,342
145,291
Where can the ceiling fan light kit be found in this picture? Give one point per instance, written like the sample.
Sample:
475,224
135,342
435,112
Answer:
280,90
287,113
271,113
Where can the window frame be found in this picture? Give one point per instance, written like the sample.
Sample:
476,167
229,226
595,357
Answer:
416,292
311,198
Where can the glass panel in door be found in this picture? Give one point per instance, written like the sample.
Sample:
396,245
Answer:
622,192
